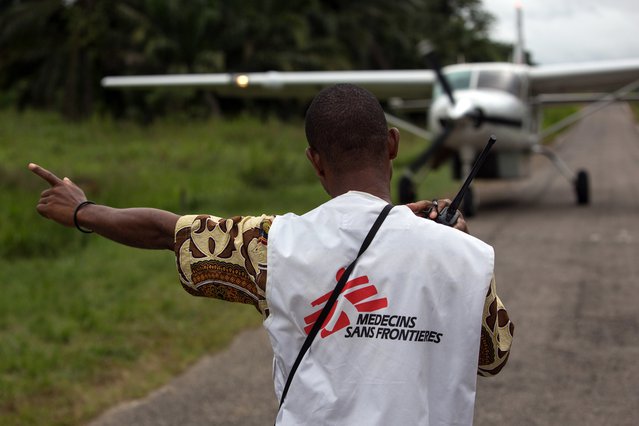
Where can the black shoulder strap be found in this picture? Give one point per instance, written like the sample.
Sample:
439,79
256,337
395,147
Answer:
331,301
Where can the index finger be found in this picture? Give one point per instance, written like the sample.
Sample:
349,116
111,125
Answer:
45,174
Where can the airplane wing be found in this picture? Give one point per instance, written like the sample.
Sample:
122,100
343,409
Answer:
408,84
604,76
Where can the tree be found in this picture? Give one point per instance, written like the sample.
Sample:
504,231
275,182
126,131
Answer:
54,52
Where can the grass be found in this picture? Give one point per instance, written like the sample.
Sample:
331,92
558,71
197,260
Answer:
77,336
85,323
555,113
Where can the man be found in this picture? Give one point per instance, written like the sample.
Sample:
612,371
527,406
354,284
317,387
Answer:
402,342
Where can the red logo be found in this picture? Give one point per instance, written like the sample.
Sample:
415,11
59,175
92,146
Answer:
360,296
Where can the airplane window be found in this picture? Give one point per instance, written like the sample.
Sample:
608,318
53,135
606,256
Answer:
459,80
500,80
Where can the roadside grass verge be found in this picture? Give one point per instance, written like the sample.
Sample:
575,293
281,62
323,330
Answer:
635,109
85,323
554,114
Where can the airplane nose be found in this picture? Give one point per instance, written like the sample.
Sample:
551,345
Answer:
461,109
476,108
464,109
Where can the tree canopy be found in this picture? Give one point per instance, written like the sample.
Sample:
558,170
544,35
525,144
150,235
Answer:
53,53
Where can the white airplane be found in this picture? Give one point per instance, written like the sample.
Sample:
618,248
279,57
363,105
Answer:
469,103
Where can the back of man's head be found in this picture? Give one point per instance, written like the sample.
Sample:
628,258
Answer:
345,124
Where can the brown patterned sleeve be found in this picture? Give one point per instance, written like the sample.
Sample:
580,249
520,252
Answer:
224,258
496,335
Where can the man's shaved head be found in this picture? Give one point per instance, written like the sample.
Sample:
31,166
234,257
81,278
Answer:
345,124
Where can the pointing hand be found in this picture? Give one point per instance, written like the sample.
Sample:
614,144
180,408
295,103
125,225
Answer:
60,200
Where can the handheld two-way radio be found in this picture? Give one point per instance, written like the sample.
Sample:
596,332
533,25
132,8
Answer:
449,215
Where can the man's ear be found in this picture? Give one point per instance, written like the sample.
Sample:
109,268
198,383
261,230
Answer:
316,161
393,143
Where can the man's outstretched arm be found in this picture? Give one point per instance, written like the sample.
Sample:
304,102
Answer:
136,227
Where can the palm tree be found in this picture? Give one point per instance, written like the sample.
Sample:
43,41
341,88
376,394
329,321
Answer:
55,52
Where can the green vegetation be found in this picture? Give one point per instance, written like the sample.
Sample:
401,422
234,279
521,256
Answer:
85,323
635,109
554,114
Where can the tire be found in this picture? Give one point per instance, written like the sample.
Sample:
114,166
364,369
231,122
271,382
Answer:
582,188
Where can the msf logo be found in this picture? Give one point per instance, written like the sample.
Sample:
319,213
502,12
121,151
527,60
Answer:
356,296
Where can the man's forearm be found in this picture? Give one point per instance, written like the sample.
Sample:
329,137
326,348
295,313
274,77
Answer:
136,227
65,203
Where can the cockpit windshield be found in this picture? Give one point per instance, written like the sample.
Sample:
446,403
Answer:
458,80
505,81
500,80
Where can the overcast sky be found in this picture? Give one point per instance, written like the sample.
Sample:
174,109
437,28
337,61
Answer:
557,31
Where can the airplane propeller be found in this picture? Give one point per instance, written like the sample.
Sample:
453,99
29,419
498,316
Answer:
458,111
407,188
479,117
461,109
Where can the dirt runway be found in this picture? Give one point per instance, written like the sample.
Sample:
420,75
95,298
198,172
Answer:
569,277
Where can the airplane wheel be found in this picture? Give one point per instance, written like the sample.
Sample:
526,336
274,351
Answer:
469,206
407,191
582,188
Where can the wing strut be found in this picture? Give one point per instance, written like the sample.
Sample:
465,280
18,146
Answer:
591,109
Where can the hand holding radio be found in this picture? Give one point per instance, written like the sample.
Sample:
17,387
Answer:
445,211
433,209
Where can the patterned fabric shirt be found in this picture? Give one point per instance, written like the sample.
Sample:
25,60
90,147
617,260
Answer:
226,259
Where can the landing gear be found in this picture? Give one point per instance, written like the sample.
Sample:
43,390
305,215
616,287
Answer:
579,180
582,188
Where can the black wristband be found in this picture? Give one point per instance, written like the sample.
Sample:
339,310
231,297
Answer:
75,217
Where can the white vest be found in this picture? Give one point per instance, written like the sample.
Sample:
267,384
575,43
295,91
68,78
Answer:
402,345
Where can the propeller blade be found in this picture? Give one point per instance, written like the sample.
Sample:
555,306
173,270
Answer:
407,188
426,50
465,109
503,121
420,161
